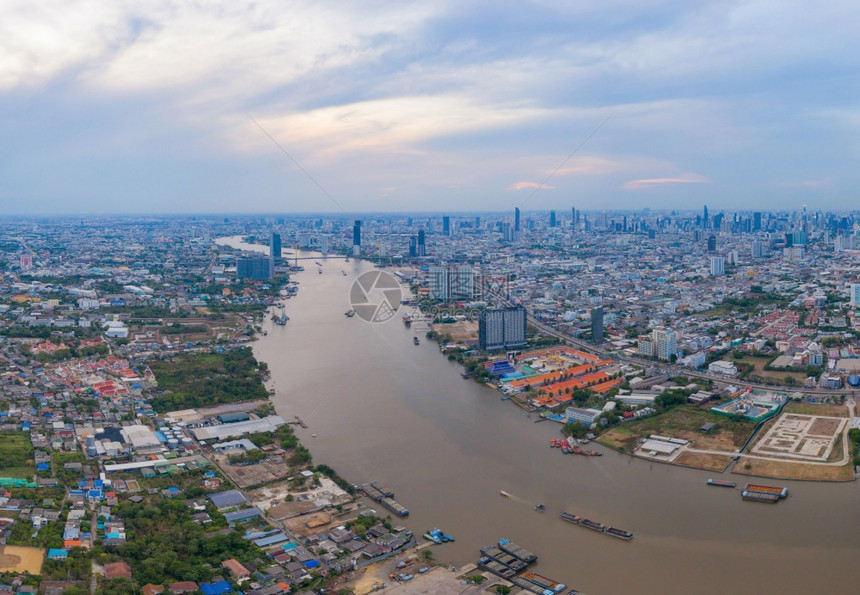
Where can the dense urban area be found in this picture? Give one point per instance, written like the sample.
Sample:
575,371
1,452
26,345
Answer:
142,452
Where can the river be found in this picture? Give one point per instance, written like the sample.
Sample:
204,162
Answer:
384,409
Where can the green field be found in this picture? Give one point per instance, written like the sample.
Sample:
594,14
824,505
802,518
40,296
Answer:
203,379
17,459
681,422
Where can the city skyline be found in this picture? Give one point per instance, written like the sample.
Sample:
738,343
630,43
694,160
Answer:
405,108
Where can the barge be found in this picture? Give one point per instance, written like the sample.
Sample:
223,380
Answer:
520,553
496,568
759,497
571,518
502,558
780,492
619,533
593,525
394,506
543,582
720,483
376,491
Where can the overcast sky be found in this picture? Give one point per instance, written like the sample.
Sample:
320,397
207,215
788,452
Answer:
457,106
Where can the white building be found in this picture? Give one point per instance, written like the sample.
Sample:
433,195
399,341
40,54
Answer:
584,416
723,368
665,343
718,266
694,360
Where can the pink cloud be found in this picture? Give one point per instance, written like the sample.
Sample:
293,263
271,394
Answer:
526,185
652,182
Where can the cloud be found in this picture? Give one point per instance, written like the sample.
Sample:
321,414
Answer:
526,185
654,182
825,183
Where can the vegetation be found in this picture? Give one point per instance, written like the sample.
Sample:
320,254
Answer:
17,459
202,379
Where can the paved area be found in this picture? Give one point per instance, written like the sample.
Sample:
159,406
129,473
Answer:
804,437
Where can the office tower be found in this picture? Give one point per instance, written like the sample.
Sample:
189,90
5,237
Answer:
733,257
507,232
275,245
854,294
422,245
624,226
437,281
718,266
597,325
413,246
552,218
573,217
712,243
502,328
705,221
477,222
756,222
665,343
409,222
356,238
652,234
446,226
517,219
259,268
757,249
586,224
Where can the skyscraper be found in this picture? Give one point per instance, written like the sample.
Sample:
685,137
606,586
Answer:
552,218
446,225
413,246
356,238
275,245
517,219
854,294
756,221
573,217
502,328
705,221
422,245
757,249
712,243
597,325
451,283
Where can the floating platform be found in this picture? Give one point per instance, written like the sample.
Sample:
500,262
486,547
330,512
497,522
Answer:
780,492
721,484
516,551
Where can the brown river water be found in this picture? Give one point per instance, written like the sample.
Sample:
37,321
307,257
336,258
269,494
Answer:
384,409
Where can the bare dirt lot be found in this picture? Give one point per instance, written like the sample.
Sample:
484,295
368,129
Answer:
781,470
14,558
269,470
703,461
460,332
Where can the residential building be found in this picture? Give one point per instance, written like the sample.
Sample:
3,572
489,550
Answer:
665,343
255,268
502,328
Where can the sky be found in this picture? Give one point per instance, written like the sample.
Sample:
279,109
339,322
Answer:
292,106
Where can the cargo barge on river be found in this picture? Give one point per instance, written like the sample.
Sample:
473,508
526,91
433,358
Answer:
595,526
761,493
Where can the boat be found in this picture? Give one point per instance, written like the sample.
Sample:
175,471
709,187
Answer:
619,533
271,391
407,320
571,518
319,271
505,494
349,313
720,483
415,340
552,442
434,538
518,552
759,497
343,273
540,508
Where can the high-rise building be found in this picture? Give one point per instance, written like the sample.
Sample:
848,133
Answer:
26,261
275,245
712,243
446,225
356,238
552,219
854,293
756,221
597,325
451,283
413,246
665,343
422,243
517,219
573,217
502,328
718,266
757,249
257,268
705,221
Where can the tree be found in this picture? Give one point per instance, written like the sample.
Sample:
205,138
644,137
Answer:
575,429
